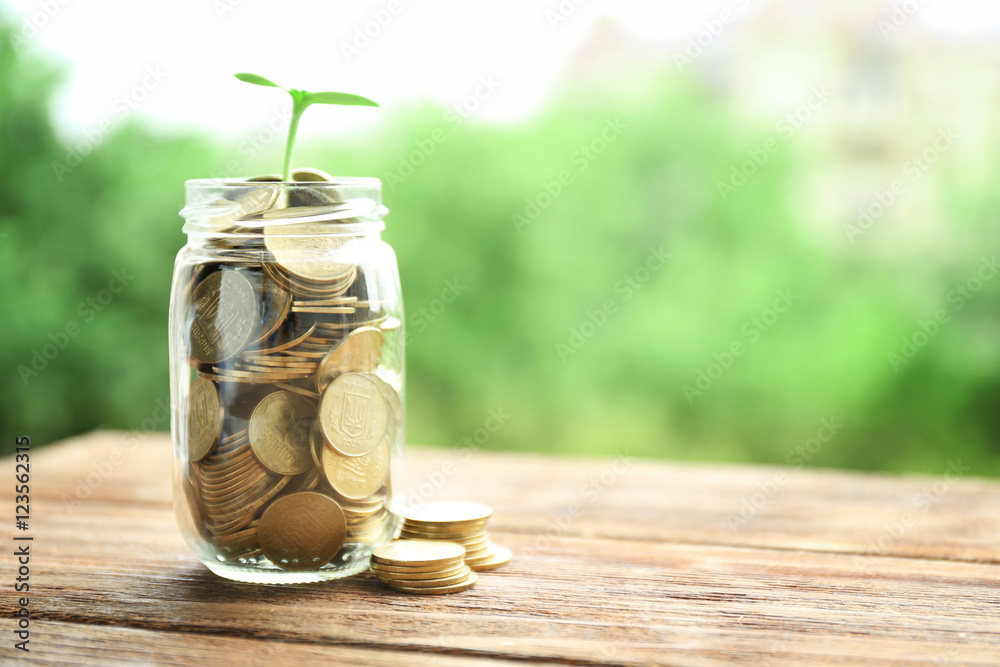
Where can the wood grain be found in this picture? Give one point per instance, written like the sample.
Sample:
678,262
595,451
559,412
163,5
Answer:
618,561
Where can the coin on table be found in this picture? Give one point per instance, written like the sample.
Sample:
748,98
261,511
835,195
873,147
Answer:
499,557
419,553
223,315
357,477
353,414
302,531
205,415
450,580
468,582
279,432
358,352
442,513
406,574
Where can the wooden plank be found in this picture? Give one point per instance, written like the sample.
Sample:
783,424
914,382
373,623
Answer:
818,510
646,573
105,646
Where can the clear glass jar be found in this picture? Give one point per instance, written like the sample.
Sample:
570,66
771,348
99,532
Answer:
286,378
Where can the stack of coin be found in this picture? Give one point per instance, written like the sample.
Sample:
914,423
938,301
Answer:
294,408
461,523
423,567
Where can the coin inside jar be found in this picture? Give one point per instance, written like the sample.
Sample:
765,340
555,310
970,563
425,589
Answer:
353,414
205,415
302,531
223,315
356,477
279,432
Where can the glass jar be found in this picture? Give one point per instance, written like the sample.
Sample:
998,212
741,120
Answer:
286,378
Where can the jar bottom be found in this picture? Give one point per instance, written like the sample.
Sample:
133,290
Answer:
353,559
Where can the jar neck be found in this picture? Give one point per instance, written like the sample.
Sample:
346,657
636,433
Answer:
245,212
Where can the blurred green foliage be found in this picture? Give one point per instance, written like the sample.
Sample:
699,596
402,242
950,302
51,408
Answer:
525,288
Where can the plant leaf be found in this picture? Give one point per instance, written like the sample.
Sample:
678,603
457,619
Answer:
256,79
339,98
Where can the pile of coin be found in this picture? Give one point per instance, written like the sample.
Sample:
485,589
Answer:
423,567
461,523
294,407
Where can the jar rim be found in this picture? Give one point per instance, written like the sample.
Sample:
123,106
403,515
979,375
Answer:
338,181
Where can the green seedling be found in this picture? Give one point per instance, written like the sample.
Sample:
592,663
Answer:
301,99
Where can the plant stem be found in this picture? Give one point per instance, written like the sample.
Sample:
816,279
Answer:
293,128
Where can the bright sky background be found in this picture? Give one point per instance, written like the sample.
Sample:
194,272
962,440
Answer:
429,49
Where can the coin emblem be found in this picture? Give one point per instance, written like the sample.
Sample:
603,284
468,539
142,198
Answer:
353,414
279,432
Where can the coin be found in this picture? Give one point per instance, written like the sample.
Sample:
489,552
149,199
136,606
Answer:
223,315
357,477
404,574
279,432
419,553
302,531
500,557
353,414
304,250
308,174
205,416
441,581
464,585
275,302
448,513
358,352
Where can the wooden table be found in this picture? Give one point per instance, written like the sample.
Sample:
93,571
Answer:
617,561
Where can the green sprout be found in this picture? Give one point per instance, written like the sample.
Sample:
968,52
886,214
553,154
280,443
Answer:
301,99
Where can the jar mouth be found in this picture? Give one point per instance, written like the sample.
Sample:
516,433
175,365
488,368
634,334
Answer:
234,207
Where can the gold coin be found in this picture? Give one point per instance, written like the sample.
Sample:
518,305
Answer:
279,432
302,531
451,513
427,570
304,249
309,174
353,414
500,556
403,574
357,477
358,352
223,315
451,580
419,552
464,585
275,302
205,415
